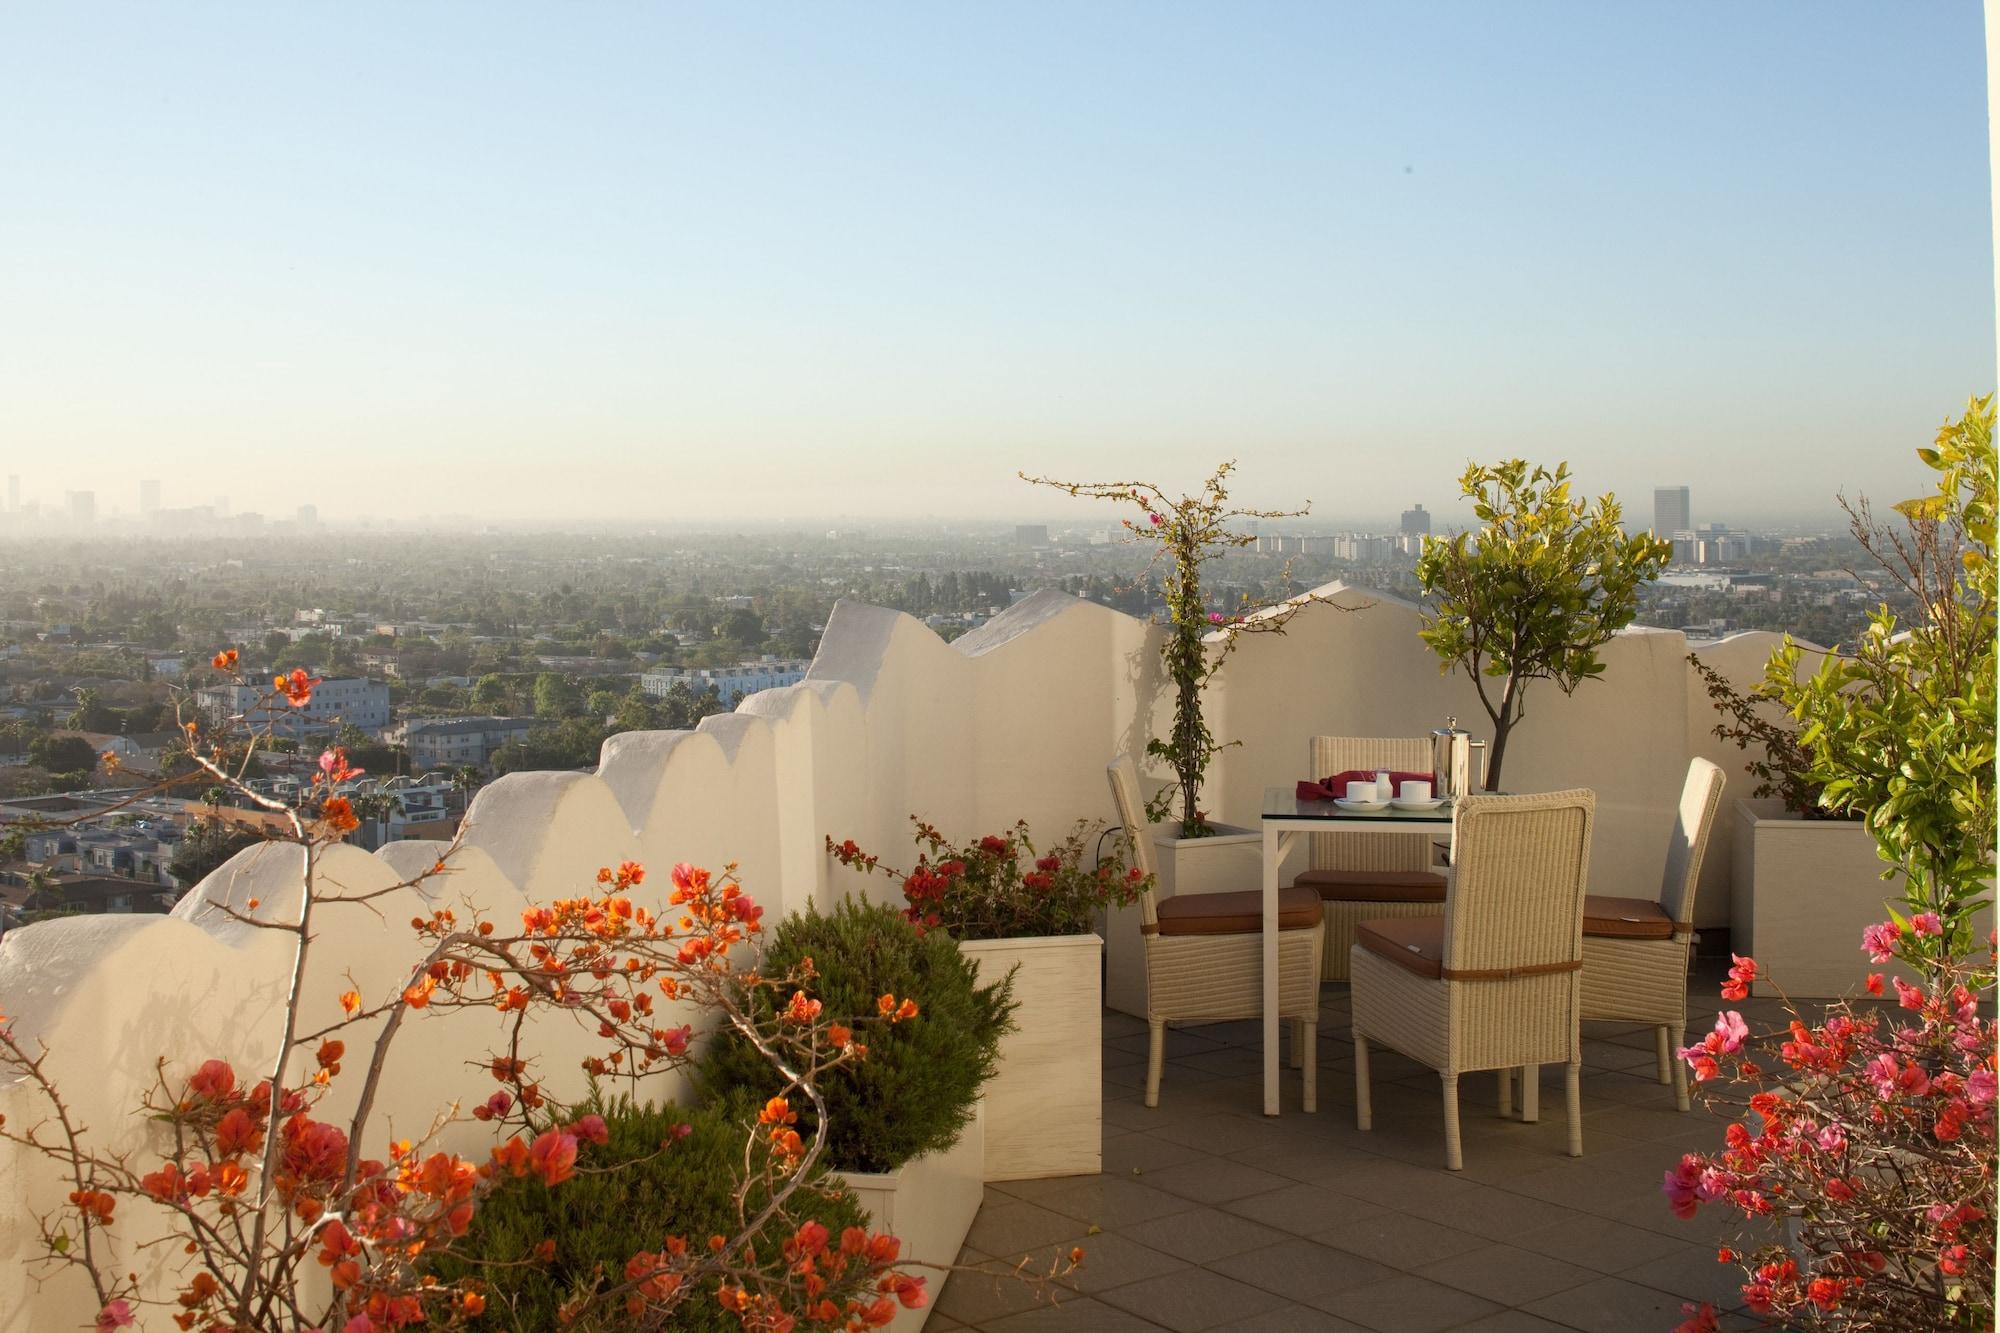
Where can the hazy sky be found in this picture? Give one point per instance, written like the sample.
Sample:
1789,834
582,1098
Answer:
652,260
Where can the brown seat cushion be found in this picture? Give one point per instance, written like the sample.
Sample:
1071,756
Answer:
1412,942
1626,918
1374,886
1237,913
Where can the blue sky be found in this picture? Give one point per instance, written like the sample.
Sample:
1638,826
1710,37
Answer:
841,261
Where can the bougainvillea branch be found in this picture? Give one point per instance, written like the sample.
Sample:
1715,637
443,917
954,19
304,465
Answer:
286,1221
1186,532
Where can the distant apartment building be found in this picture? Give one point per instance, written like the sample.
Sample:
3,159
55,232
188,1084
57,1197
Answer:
729,683
1031,534
453,742
1416,522
1271,543
1671,511
149,497
1362,549
83,506
338,701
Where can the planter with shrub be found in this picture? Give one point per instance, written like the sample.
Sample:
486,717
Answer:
661,1165
903,1122
1026,913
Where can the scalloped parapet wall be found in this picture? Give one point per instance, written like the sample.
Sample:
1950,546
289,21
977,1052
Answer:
1015,720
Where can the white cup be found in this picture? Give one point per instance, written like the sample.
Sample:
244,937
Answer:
1364,792
1416,791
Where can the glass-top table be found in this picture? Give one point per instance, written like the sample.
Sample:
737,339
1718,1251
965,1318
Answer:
1285,816
1280,803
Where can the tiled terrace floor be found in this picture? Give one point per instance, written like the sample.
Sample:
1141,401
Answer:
1209,1215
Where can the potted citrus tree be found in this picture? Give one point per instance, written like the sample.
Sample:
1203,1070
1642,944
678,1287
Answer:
1804,879
1028,913
1899,731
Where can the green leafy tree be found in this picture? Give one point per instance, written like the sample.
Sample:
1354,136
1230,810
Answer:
1187,531
683,707
209,843
62,754
1534,593
556,696
1902,731
490,692
635,712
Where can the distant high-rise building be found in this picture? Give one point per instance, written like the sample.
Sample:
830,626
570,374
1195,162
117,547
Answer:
1671,513
149,497
1416,521
222,506
14,493
83,506
1031,534
308,516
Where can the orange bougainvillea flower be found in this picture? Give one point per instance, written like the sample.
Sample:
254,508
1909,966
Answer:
337,813
224,660
553,1156
297,687
350,1001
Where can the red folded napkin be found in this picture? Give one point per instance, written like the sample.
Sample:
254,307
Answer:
1335,787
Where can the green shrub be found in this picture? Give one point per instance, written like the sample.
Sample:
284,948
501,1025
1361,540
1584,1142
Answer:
629,1196
915,1091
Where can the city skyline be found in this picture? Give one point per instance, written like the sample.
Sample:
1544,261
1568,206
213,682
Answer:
762,265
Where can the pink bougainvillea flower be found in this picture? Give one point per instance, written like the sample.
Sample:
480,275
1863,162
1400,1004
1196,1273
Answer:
1879,940
1927,923
115,1315
1742,972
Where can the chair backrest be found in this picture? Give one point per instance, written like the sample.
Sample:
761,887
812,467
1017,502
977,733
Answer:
1370,851
1521,864
1124,775
1701,797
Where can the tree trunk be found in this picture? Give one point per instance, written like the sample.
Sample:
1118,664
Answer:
1497,752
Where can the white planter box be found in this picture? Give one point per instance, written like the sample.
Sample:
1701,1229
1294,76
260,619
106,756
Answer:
1232,859
1045,1106
929,1206
1802,890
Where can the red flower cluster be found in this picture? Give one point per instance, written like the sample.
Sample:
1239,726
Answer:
1877,1139
1000,886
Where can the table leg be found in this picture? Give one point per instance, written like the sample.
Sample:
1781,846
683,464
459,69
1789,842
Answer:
1270,939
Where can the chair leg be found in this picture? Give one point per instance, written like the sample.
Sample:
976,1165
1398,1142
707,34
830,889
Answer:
1662,1055
1364,1115
1680,1071
1454,1160
1531,1094
1505,1078
1311,1070
1156,1056
1298,1043
1573,1094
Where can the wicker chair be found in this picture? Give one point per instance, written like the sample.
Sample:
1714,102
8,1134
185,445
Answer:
1365,876
1204,951
1495,982
1635,950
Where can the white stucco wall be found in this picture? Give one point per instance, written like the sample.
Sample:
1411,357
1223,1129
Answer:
1015,720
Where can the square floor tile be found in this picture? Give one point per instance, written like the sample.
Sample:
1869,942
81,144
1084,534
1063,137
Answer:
1192,1299
1507,1275
1406,1304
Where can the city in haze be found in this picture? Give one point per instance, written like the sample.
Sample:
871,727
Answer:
541,267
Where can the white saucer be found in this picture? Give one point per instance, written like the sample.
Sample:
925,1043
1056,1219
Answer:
1360,807
1431,804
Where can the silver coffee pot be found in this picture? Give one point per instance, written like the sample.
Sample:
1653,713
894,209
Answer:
1451,760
